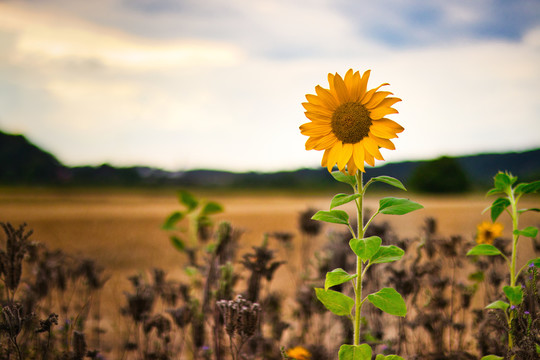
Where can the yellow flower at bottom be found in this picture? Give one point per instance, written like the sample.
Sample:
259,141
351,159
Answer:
298,353
348,122
487,232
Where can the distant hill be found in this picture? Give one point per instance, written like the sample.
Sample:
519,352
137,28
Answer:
23,163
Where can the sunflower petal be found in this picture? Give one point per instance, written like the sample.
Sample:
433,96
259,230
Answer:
313,129
326,96
367,97
325,157
369,158
377,98
382,132
372,148
380,112
385,143
345,156
341,90
389,101
317,109
335,152
358,156
354,86
363,84
325,142
351,167
390,124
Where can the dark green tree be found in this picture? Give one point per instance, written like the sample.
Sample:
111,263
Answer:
440,176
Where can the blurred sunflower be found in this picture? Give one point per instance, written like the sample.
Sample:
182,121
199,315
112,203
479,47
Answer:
348,122
487,232
298,353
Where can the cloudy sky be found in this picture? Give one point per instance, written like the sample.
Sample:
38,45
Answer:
183,84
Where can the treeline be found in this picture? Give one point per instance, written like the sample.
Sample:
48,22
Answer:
25,164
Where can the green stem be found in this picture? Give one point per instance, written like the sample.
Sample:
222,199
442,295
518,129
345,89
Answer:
358,291
513,275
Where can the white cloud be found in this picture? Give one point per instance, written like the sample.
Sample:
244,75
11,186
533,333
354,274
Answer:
231,100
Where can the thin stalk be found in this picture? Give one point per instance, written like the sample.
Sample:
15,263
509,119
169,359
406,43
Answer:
513,275
360,231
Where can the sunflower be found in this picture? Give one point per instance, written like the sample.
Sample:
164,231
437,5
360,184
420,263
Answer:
298,353
487,232
348,122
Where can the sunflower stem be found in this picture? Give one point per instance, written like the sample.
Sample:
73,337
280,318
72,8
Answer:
513,275
359,265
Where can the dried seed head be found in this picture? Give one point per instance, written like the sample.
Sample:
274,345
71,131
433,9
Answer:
307,225
46,325
79,345
240,316
12,320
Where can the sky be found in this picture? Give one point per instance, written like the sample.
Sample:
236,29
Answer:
188,84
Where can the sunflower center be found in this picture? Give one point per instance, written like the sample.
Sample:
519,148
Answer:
351,122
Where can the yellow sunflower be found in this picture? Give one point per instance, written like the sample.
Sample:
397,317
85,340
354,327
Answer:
298,353
348,122
487,232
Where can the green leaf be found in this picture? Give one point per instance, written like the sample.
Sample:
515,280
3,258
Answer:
390,181
366,248
178,243
494,191
476,276
484,249
386,254
498,207
341,199
492,357
535,262
188,200
336,277
499,304
347,179
355,352
210,208
397,206
514,294
530,209
389,301
388,357
172,220
334,301
503,181
332,216
529,231
527,188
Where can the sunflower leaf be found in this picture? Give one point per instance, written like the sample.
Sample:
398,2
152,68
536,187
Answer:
337,277
334,301
492,357
210,208
390,181
529,231
498,206
341,199
172,220
514,294
530,209
347,179
397,206
484,249
386,254
366,248
188,200
355,352
499,304
389,301
332,216
178,243
527,188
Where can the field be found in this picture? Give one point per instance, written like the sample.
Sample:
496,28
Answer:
121,229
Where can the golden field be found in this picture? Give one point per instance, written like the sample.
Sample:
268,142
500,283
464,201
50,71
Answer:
121,229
